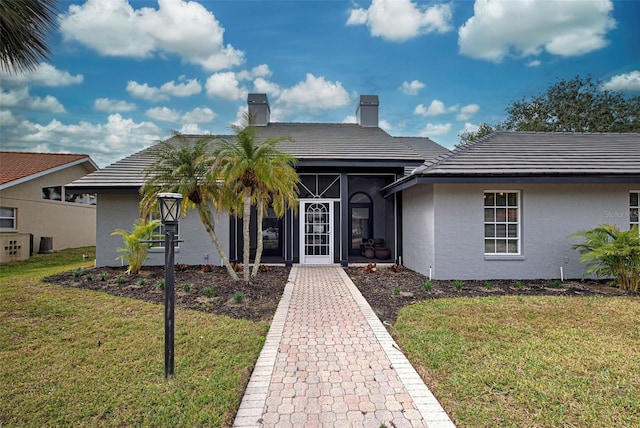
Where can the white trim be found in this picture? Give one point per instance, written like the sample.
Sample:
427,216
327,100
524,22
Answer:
316,259
506,224
631,223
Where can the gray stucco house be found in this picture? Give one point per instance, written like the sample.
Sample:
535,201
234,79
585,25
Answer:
502,207
499,208
342,217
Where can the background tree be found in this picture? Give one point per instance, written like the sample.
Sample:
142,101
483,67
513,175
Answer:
471,136
575,105
24,28
188,170
262,174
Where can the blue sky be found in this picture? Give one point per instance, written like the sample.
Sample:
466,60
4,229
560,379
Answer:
126,73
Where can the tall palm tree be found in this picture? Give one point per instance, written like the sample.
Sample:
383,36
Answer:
188,170
262,174
24,28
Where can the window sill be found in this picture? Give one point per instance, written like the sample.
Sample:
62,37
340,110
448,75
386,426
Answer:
503,257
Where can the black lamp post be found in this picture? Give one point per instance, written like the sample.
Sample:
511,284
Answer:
170,214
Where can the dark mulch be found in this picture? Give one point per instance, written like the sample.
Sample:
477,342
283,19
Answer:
386,290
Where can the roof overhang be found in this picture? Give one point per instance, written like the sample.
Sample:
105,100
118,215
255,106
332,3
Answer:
413,180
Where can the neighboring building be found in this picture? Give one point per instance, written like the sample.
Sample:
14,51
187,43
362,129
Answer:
502,207
342,216
34,204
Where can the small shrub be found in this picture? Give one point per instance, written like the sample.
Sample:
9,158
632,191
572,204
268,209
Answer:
186,287
396,290
180,267
142,281
160,284
135,250
89,277
121,279
427,286
103,276
77,272
238,296
458,284
206,268
517,284
488,285
554,283
208,291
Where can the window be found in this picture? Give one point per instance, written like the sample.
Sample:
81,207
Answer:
634,198
52,193
8,218
158,234
501,222
80,198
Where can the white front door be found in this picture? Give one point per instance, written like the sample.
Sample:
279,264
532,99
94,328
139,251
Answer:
316,232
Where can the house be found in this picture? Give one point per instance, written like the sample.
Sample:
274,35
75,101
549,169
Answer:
502,207
342,216
37,213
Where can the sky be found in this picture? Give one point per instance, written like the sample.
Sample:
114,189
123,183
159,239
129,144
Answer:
125,74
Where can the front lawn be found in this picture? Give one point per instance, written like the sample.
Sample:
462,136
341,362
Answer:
515,361
75,357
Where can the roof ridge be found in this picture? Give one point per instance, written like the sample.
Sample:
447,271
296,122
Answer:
458,149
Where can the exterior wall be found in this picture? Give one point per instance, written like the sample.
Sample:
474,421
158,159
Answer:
549,212
418,228
121,211
70,225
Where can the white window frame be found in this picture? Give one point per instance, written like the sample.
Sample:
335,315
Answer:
158,234
13,218
506,223
634,207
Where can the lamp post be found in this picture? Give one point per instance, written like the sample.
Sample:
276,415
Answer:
169,204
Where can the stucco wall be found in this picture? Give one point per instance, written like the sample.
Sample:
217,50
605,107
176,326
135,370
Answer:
418,228
549,212
70,225
121,211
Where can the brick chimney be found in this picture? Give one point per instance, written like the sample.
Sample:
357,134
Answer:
367,111
259,109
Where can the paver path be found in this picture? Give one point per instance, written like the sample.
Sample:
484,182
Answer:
328,361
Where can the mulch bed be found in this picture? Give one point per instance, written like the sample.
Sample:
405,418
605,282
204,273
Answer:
386,290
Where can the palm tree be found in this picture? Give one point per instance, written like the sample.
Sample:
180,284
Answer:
188,170
262,174
24,27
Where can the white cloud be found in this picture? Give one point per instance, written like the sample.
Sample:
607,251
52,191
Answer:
261,70
168,89
183,28
385,124
467,111
436,108
199,115
261,85
193,129
44,75
48,103
312,96
104,142
501,28
400,20
432,130
226,86
7,119
21,98
163,114
534,63
145,91
411,88
624,82
110,105
350,119
469,127
185,89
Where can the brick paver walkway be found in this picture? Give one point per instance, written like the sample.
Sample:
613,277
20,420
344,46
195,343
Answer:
328,361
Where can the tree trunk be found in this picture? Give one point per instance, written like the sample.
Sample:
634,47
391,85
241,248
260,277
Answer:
206,216
246,221
256,262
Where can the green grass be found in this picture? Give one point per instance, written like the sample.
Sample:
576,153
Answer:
528,361
80,358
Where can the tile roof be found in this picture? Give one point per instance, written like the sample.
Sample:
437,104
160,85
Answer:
310,142
21,165
540,153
